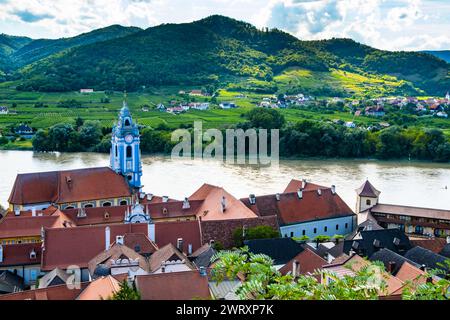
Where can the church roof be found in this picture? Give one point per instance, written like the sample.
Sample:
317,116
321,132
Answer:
367,190
68,186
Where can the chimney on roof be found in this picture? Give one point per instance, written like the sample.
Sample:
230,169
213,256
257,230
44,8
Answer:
333,189
211,242
391,267
120,240
224,203
180,244
17,212
1,253
186,204
165,199
300,193
277,196
163,267
376,243
202,271
69,181
295,268
33,212
303,184
151,231
107,238
396,241
423,267
149,197
252,199
319,192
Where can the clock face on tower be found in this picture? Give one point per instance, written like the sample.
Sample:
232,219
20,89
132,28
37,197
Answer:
129,138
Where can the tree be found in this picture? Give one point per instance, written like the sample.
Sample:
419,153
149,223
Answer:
126,292
262,281
265,118
90,134
258,232
321,238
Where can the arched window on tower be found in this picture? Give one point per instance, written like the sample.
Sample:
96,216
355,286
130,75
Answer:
128,151
127,122
116,151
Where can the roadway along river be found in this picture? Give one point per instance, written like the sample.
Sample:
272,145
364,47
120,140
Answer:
407,183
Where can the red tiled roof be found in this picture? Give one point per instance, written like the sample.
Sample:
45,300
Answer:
435,244
68,186
12,226
147,246
291,209
186,285
98,215
408,272
308,262
59,292
19,254
367,190
169,232
211,208
294,185
77,246
173,209
100,289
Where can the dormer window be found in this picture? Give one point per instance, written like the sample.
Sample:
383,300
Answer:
33,254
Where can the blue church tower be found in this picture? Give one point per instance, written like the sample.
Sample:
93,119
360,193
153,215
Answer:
125,153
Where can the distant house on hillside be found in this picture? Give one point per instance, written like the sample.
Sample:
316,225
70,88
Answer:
4,110
196,93
86,90
375,111
227,105
24,130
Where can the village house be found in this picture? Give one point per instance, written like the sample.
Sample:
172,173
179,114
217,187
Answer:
306,209
196,93
227,105
412,220
23,260
4,110
87,90
375,111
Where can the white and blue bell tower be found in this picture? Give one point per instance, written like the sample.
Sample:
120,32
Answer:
125,153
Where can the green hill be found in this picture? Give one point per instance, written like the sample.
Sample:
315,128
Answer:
444,54
221,51
8,45
41,48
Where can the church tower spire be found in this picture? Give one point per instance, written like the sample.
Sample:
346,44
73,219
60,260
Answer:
125,155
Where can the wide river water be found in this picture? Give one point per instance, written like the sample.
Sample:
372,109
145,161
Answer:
407,183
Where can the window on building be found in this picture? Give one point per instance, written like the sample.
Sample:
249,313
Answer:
315,230
116,151
129,151
107,204
292,234
70,207
346,225
303,232
418,230
325,229
88,205
123,202
368,202
127,122
337,227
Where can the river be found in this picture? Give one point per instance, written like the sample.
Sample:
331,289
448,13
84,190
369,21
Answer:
407,183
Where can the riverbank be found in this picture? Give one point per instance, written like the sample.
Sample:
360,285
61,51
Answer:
401,182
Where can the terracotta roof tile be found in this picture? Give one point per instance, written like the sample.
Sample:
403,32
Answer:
68,186
291,209
186,285
211,208
294,185
98,215
100,289
435,244
173,209
367,190
77,246
308,262
60,292
19,254
167,253
169,232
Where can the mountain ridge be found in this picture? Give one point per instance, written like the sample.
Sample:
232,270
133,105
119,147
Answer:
219,49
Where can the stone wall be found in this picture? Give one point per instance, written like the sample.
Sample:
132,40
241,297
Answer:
222,230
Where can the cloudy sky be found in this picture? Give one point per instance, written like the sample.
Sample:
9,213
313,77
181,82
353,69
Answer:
385,24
